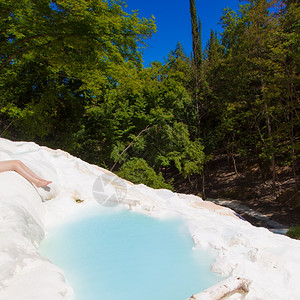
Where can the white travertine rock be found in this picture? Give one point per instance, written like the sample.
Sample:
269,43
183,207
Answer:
270,263
230,286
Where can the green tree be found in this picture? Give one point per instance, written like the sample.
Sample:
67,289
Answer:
255,109
78,47
138,171
286,82
197,80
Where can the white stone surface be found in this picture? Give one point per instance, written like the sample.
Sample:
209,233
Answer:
270,262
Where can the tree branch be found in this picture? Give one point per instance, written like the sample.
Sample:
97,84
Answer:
6,127
145,129
19,50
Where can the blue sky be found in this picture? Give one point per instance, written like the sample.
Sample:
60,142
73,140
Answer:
174,25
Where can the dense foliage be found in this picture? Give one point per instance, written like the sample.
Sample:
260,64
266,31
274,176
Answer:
294,233
71,76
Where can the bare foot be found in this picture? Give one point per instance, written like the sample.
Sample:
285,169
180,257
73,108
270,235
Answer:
42,182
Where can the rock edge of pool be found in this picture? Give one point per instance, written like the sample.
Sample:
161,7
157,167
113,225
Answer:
257,263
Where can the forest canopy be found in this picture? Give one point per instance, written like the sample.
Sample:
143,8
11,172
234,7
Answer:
71,77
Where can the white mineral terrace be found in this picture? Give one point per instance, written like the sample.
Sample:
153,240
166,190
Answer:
256,263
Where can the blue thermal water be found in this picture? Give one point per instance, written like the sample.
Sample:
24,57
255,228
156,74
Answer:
129,256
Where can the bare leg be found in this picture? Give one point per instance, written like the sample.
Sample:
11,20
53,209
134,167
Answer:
23,170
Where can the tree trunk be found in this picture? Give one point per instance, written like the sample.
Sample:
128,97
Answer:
203,185
234,164
273,161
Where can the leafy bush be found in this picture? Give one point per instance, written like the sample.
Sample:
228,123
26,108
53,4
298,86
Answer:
294,233
138,171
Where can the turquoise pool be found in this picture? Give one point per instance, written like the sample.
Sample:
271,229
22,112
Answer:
114,255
